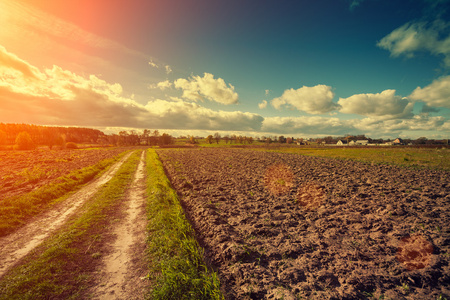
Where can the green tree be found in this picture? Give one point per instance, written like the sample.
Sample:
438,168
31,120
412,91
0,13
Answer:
24,141
209,139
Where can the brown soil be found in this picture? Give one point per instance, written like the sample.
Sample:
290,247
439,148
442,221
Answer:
284,226
23,171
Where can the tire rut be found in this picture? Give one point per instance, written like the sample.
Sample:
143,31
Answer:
18,244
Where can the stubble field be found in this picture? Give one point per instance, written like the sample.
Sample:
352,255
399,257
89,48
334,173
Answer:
277,225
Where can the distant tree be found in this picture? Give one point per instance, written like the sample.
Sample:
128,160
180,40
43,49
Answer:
192,140
209,139
217,137
145,136
226,138
250,140
281,139
165,139
24,141
421,141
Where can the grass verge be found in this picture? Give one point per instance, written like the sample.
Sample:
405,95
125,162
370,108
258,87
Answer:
62,266
176,259
14,211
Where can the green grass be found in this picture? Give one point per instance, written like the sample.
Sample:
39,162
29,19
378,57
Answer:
176,260
62,266
14,211
437,158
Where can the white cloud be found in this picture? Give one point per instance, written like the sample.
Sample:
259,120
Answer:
267,92
307,125
414,37
164,84
437,94
383,105
59,97
198,88
188,115
262,105
313,100
154,65
372,127
417,123
168,69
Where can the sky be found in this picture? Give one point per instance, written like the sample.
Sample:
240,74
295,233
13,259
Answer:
297,68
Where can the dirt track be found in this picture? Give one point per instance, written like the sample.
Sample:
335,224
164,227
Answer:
123,272
15,246
286,226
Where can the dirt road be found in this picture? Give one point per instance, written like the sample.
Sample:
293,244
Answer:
15,246
124,268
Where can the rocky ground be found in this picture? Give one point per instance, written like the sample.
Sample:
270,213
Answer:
284,226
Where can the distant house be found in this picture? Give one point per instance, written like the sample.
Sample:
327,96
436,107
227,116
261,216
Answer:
341,143
359,143
398,141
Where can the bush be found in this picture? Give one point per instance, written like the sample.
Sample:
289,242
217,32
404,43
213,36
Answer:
24,142
71,145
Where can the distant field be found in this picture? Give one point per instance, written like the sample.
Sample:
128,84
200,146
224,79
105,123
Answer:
435,158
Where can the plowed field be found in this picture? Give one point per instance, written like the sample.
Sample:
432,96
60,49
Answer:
287,226
23,171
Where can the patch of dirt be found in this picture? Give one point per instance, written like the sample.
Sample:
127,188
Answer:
335,229
23,171
18,244
124,268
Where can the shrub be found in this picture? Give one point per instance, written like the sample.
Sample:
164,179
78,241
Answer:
24,142
71,145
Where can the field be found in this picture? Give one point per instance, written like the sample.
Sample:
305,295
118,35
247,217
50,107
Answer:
285,226
23,171
239,223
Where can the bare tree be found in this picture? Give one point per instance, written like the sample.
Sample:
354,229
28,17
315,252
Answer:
217,137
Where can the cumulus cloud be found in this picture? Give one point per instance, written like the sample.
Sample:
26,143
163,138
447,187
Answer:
437,94
383,105
262,105
375,127
415,37
168,69
416,123
307,125
162,85
207,87
59,97
189,115
313,100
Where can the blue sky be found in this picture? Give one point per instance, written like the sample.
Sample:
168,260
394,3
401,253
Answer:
294,68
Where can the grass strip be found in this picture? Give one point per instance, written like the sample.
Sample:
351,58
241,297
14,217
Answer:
62,266
430,158
176,259
14,211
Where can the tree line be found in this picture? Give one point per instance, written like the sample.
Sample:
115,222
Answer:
26,136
